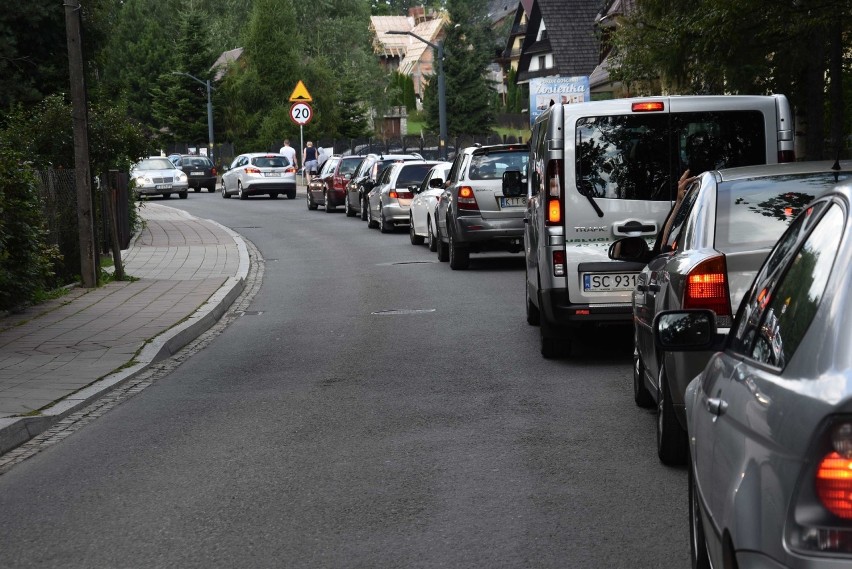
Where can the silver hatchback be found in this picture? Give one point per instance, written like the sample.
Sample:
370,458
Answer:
389,202
259,173
770,416
711,246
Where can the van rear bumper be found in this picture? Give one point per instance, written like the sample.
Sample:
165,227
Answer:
561,313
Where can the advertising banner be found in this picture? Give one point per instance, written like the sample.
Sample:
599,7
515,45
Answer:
546,91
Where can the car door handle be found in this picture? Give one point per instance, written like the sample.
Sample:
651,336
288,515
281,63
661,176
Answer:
716,406
632,226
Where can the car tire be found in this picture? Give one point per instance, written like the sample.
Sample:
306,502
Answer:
371,223
225,194
533,313
364,209
347,206
549,346
328,207
459,256
211,189
311,205
167,196
442,248
384,226
433,244
641,395
183,195
196,190
412,236
242,195
291,195
273,196
672,443
697,538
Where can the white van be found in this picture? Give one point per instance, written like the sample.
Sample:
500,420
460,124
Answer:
604,170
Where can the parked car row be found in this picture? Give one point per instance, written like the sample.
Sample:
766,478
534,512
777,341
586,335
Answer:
736,282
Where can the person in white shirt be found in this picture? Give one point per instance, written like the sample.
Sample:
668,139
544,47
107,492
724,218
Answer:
290,153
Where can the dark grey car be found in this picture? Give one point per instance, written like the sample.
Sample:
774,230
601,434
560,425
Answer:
711,247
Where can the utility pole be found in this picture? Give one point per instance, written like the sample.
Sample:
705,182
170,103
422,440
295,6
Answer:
85,217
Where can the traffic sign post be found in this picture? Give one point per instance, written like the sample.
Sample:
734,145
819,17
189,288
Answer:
301,112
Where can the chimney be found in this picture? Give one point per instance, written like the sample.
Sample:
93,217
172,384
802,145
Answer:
417,13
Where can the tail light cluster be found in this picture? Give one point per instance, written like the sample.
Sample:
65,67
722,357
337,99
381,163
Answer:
467,199
555,195
400,195
823,512
213,171
707,287
252,170
290,170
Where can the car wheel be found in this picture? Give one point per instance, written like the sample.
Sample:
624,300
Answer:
697,538
384,226
167,196
641,395
196,190
328,207
240,192
211,189
415,239
347,206
291,195
225,194
364,209
533,314
671,437
459,256
371,223
311,204
442,248
433,244
183,195
549,346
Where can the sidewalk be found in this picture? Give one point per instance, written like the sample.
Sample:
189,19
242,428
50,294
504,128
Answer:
57,357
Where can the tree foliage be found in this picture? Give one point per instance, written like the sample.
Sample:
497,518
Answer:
468,47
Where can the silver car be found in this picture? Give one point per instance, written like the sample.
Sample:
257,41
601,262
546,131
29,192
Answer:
389,201
158,176
257,173
711,246
422,223
770,416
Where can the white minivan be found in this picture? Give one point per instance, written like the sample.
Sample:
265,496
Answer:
604,170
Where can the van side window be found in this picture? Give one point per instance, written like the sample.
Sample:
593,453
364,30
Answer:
539,155
719,139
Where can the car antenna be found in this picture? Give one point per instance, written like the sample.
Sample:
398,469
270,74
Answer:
836,166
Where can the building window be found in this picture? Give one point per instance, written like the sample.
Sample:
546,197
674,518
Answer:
542,62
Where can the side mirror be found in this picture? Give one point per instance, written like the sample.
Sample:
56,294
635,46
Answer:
513,185
436,183
414,188
687,330
225,168
630,249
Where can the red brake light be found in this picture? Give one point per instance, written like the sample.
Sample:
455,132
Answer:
707,287
252,170
213,170
467,199
648,106
393,194
834,485
559,263
290,170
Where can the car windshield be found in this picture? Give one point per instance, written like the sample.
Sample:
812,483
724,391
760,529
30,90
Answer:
753,213
412,174
491,166
270,162
349,165
155,164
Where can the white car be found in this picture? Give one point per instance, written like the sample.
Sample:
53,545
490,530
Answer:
157,176
256,173
422,214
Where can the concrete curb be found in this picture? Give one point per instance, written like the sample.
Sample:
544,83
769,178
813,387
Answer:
15,431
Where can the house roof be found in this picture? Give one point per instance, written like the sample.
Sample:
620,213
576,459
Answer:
386,44
430,30
500,9
571,29
220,66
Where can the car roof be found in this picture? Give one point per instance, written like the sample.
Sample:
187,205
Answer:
256,154
783,169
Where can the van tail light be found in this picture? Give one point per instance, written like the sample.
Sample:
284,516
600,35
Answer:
786,156
707,287
555,195
648,107
252,170
467,199
559,263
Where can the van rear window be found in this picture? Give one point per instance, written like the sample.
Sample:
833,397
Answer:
640,157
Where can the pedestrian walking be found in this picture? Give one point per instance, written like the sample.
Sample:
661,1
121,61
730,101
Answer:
290,153
309,160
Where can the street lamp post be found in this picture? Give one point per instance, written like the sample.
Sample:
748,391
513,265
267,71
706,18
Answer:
209,108
442,90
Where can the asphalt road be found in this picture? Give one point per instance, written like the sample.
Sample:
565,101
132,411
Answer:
372,409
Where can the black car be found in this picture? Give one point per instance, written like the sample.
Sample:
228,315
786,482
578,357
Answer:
200,171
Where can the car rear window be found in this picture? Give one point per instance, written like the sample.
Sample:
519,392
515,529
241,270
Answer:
412,174
203,162
490,166
641,156
753,213
270,162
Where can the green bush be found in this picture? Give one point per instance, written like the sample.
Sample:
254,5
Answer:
26,259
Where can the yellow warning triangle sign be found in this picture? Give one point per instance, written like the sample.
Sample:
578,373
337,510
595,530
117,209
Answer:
300,94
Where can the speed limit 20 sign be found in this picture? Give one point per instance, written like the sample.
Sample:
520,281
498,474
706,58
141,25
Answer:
301,113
